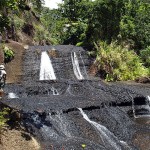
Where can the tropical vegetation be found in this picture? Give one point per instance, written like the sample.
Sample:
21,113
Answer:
83,23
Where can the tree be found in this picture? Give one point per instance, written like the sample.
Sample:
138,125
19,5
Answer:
135,25
75,14
10,8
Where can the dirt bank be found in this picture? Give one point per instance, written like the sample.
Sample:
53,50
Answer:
17,140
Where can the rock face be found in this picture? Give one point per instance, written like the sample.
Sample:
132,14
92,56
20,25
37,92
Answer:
67,109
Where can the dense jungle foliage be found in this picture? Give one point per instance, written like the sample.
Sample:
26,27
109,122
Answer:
123,25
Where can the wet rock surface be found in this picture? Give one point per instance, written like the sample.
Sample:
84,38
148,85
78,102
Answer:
49,109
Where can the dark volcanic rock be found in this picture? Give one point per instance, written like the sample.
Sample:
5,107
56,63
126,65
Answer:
49,109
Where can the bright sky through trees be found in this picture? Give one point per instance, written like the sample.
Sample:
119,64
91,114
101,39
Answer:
52,3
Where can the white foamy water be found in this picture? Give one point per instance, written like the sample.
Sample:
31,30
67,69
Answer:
86,74
55,91
47,131
148,97
76,67
12,95
60,123
46,68
109,139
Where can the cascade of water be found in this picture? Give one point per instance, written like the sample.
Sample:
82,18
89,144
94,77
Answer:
148,97
68,90
109,139
49,132
55,92
76,67
46,130
83,65
12,95
59,122
46,68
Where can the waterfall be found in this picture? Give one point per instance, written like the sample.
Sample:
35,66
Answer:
76,67
86,74
52,126
12,95
46,130
60,123
46,68
148,97
109,139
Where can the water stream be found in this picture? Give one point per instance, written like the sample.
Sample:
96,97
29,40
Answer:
76,67
109,139
60,123
86,74
55,118
148,97
46,68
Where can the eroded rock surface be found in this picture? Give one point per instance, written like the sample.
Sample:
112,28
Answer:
50,109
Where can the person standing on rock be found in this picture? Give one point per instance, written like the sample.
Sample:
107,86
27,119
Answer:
2,77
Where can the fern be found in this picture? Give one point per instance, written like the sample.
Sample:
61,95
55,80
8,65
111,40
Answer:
118,63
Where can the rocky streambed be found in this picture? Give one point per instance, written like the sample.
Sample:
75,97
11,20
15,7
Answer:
67,109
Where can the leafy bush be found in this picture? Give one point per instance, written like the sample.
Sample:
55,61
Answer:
145,55
74,33
18,22
118,63
8,54
3,120
42,36
134,23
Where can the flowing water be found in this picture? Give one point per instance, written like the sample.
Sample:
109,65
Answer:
76,67
148,97
51,111
46,68
59,121
108,138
